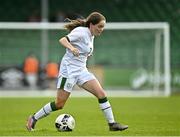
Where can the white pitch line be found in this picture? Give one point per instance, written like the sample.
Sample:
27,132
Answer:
91,136
75,93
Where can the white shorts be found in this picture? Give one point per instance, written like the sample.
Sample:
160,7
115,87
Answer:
67,83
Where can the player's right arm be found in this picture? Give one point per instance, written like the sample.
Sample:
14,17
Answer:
64,41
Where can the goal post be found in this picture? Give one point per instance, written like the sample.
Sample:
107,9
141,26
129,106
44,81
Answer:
162,29
152,61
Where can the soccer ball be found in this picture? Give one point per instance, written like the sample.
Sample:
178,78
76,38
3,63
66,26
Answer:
65,122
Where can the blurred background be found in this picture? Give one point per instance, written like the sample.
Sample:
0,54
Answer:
121,57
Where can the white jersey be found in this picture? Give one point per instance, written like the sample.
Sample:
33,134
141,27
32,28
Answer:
82,39
73,69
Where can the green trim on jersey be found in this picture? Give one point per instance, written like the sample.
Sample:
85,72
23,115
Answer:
103,100
63,83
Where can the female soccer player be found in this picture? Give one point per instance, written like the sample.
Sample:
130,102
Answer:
79,45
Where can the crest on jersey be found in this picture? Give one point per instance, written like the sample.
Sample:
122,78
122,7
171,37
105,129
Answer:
69,85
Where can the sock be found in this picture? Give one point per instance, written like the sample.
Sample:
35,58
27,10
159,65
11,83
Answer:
46,110
107,110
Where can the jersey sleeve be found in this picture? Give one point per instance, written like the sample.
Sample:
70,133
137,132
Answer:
75,35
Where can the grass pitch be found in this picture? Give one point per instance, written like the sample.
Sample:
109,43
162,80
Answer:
145,117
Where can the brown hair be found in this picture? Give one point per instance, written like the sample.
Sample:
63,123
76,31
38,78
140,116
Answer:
94,18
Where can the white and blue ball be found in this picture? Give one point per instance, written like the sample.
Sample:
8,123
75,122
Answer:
65,122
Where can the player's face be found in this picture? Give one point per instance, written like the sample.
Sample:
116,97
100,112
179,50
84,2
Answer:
97,29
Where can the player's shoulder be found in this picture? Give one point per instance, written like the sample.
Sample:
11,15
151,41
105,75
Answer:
80,29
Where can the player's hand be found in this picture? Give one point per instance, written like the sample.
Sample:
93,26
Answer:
75,52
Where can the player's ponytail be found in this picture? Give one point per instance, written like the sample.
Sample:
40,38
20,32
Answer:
75,23
94,18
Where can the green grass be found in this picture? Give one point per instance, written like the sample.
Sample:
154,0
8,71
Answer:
145,117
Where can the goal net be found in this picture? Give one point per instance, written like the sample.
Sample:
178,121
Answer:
133,57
